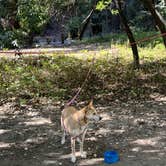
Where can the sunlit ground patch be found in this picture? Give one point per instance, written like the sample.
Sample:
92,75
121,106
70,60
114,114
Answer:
5,145
2,131
35,121
147,142
94,161
48,162
67,156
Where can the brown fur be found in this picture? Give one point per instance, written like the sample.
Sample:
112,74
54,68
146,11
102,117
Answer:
75,123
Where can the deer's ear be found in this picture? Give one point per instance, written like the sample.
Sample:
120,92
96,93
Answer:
91,103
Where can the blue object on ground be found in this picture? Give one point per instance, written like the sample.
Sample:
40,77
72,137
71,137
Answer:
111,157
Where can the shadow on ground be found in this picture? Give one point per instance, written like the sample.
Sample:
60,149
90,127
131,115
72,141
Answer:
30,135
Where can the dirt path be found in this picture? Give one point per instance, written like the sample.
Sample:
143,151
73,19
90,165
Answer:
74,50
30,135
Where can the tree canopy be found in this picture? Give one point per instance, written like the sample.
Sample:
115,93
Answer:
23,19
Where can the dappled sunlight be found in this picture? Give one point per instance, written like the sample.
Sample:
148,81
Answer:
92,139
36,140
3,116
105,116
32,114
134,129
103,131
48,162
36,121
83,161
158,97
120,131
93,161
67,156
5,145
136,149
147,141
151,151
53,154
2,131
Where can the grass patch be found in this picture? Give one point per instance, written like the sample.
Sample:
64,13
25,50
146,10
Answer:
121,38
58,77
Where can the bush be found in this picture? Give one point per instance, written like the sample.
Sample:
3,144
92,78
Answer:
8,37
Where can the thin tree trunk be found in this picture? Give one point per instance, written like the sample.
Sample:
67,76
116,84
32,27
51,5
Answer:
85,24
13,7
130,35
160,22
87,20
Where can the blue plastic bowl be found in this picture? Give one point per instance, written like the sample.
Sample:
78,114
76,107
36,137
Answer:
111,157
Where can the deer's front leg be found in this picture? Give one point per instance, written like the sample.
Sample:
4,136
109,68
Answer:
83,154
73,157
64,132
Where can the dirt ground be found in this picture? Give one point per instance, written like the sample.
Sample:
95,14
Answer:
30,134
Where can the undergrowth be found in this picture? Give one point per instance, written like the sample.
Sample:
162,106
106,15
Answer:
143,39
58,77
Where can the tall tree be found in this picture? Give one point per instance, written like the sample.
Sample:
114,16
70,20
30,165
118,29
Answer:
159,20
85,24
129,34
8,14
32,15
105,3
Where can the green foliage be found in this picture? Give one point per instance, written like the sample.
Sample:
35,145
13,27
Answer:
3,9
161,7
78,13
121,38
139,18
32,15
74,25
59,76
102,4
7,38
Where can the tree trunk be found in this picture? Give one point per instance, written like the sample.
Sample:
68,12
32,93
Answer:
87,20
13,7
31,36
130,35
160,22
85,24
